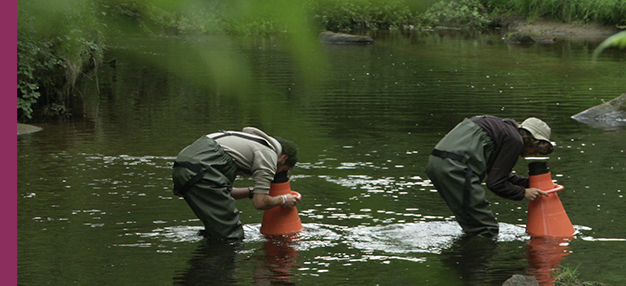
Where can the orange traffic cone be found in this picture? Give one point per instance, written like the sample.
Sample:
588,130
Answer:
279,220
546,215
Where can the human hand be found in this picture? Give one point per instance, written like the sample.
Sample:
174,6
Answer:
534,193
291,199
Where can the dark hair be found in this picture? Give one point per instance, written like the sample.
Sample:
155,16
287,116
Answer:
290,149
543,147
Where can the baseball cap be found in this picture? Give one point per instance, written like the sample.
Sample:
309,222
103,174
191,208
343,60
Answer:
539,129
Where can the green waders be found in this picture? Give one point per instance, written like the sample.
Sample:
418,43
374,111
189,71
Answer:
203,174
456,168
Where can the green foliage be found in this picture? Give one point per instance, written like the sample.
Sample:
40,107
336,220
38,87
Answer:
564,276
617,40
457,13
31,60
608,12
337,15
56,41
36,61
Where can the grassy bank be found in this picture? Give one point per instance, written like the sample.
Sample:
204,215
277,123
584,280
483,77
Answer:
60,41
565,276
56,43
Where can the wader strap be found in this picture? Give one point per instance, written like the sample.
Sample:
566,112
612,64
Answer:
468,177
255,139
180,190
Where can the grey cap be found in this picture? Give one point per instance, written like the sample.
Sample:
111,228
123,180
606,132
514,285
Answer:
539,129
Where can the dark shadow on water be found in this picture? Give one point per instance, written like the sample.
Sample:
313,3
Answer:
213,263
478,260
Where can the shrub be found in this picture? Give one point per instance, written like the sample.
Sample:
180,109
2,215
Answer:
55,44
457,13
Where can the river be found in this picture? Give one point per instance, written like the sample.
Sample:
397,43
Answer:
95,205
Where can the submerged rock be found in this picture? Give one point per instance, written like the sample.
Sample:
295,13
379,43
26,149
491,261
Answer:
524,38
608,114
329,37
518,38
521,280
545,40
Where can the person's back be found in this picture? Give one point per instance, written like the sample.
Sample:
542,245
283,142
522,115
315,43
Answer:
478,147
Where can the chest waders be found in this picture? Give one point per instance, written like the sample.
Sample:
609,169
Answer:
456,168
180,189
467,187
203,174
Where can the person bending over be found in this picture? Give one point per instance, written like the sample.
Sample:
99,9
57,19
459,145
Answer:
204,173
485,146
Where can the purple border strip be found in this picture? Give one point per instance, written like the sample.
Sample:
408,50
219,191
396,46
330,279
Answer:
9,78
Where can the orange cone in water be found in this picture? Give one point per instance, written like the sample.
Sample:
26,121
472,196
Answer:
546,215
279,220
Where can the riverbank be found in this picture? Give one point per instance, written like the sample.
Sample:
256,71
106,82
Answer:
546,28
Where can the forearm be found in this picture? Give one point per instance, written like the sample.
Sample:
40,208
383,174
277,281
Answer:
265,202
240,193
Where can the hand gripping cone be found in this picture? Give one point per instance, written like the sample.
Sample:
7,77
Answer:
279,220
546,215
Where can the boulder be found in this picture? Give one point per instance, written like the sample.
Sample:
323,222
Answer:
329,37
608,114
521,280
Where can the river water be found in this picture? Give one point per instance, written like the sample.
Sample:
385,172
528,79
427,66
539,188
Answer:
94,194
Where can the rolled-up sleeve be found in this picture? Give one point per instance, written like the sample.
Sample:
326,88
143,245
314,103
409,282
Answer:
263,170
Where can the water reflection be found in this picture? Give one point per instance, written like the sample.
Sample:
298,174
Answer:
214,262
471,258
279,259
544,256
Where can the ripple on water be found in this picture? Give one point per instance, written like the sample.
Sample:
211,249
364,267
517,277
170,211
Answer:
422,237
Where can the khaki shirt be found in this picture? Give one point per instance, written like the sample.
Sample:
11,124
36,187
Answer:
252,158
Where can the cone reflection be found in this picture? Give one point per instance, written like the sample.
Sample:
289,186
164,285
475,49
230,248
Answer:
544,256
280,257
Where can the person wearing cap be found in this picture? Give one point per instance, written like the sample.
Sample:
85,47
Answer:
479,147
204,173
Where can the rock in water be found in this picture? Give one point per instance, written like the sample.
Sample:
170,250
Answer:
521,280
329,37
608,114
26,129
518,38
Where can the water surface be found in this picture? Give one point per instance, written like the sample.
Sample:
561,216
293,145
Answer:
94,195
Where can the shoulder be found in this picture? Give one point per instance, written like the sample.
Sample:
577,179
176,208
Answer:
271,140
